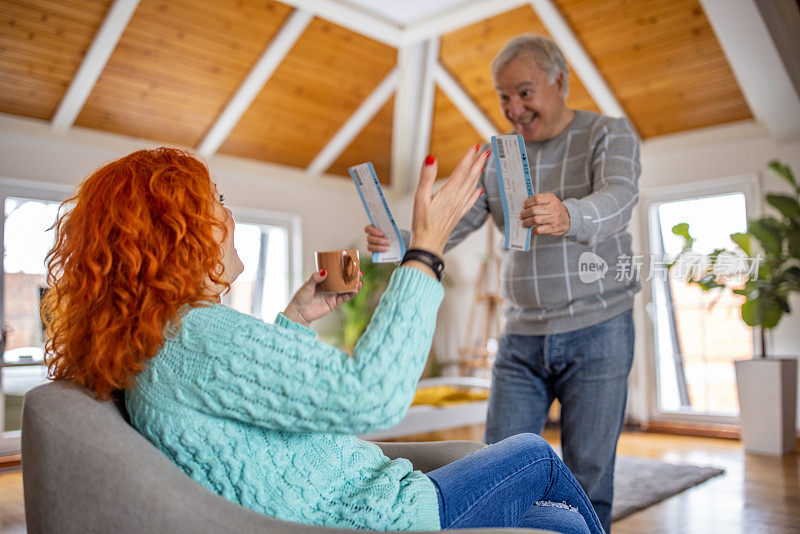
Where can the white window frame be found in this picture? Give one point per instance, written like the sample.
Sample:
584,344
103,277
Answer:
747,184
292,223
9,187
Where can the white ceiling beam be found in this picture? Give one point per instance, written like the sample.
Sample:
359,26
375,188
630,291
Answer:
756,64
405,128
425,122
270,58
93,63
352,18
455,18
580,61
471,111
362,115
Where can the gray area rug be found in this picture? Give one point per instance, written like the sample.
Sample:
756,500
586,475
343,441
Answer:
642,482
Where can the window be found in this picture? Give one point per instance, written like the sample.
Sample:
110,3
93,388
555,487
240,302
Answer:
268,244
262,289
27,238
697,334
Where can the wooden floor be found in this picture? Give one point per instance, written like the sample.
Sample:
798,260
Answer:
757,494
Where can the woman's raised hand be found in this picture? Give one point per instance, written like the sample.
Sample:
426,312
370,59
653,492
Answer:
436,214
310,303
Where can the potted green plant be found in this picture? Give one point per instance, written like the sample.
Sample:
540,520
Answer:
356,313
767,385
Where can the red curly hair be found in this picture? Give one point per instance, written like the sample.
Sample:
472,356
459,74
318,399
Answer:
135,244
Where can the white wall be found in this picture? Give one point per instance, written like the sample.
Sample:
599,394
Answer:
332,215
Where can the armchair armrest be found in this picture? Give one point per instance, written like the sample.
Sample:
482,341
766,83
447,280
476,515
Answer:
427,456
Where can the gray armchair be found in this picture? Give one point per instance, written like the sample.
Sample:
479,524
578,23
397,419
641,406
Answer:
86,470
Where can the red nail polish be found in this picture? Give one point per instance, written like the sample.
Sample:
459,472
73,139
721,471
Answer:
477,147
486,154
429,159
482,190
323,272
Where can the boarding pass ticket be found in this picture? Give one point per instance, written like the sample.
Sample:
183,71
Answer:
369,188
514,179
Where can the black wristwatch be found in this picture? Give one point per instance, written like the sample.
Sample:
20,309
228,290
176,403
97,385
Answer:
428,258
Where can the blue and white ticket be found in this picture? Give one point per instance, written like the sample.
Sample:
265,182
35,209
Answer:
514,179
369,188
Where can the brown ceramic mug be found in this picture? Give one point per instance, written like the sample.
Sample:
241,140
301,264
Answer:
342,267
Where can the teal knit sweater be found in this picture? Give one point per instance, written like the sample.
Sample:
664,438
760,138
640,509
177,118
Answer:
266,415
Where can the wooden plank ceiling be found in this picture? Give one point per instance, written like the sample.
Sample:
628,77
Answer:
316,88
179,62
177,65
42,44
661,60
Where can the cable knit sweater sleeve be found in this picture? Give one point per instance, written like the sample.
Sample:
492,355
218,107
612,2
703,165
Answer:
280,376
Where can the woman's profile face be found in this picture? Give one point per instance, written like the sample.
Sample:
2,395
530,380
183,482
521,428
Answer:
230,258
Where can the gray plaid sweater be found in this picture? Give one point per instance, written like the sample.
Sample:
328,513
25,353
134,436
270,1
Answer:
593,167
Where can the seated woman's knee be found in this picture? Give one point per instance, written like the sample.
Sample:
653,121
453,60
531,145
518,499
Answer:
528,441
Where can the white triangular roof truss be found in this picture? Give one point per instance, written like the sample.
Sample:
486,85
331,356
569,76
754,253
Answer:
418,69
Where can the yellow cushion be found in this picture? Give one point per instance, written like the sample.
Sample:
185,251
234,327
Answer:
448,395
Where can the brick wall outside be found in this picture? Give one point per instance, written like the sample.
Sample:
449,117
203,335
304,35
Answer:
21,302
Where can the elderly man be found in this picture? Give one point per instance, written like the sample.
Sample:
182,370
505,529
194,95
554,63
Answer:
569,329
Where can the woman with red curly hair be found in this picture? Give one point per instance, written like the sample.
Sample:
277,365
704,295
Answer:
266,415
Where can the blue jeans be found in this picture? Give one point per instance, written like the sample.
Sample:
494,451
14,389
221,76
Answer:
518,482
587,371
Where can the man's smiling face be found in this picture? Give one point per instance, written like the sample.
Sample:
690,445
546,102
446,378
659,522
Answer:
533,105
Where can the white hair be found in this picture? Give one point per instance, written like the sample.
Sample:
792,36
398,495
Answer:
542,49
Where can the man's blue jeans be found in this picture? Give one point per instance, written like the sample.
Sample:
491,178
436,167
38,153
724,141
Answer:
518,482
587,371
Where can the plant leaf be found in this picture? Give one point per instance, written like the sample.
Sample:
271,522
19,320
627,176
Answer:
782,171
715,255
743,241
770,312
751,312
682,230
764,229
793,240
708,282
785,204
791,274
783,304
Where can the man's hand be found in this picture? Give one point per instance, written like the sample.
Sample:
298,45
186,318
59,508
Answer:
546,214
376,241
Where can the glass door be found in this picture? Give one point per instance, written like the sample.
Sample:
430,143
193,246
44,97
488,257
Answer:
698,334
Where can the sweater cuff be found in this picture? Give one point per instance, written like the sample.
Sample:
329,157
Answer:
408,280
282,320
578,230
575,217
